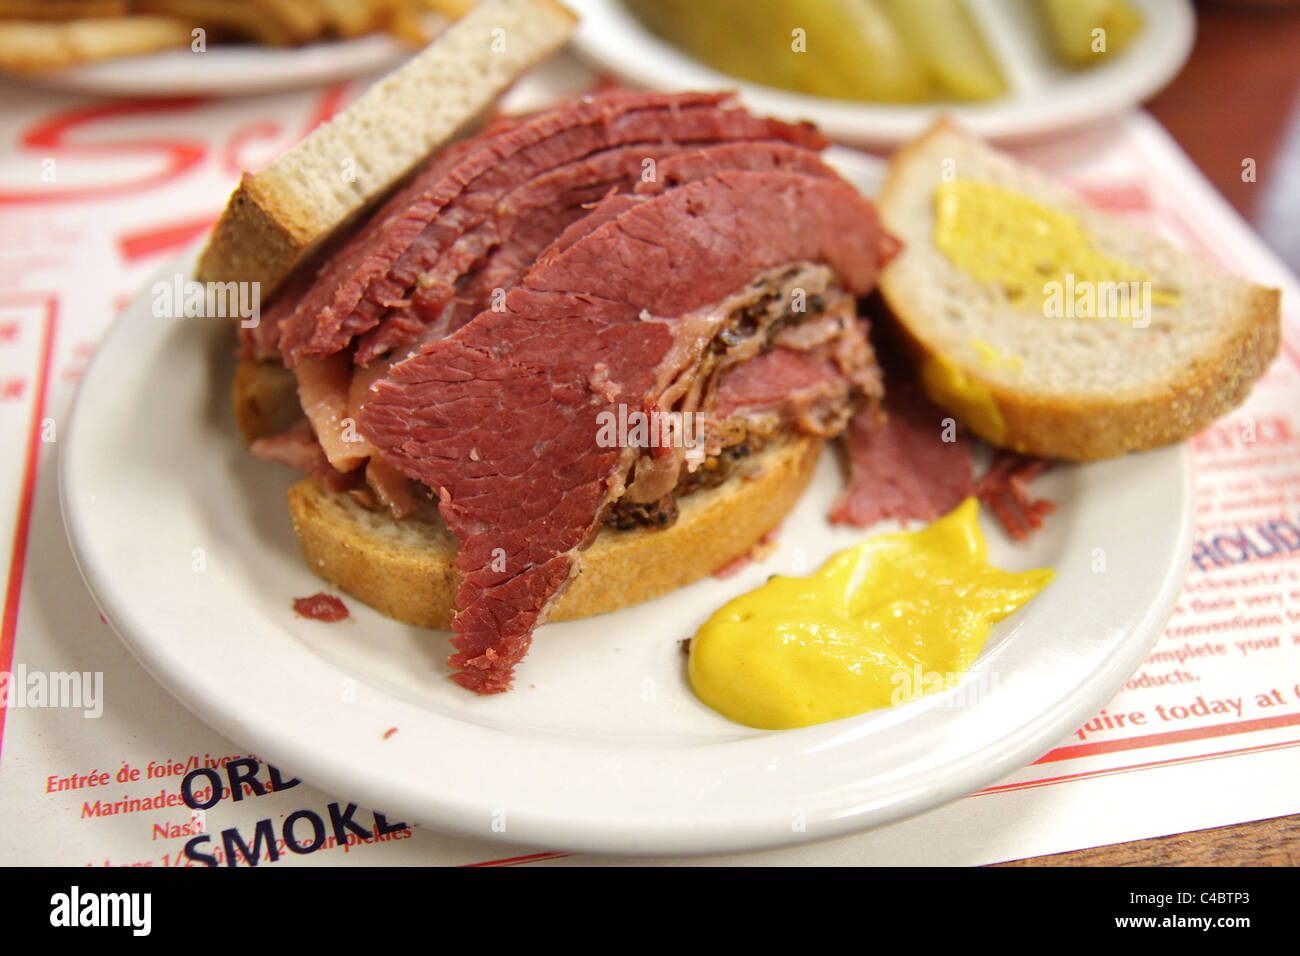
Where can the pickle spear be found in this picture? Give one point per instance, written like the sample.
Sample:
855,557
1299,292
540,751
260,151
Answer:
943,37
1072,24
846,49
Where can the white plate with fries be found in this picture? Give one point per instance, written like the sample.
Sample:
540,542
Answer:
212,47
908,60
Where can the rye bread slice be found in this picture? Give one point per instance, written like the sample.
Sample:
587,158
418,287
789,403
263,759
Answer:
406,569
1073,388
277,217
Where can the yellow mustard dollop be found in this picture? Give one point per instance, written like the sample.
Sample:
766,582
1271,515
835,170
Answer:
1042,257
879,624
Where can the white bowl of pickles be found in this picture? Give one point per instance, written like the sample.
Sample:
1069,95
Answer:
876,72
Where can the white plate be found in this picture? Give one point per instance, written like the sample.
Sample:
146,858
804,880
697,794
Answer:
601,746
1044,94
230,69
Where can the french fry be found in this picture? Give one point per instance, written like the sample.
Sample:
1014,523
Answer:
302,20
409,25
448,9
61,9
354,18
942,36
223,17
33,46
43,34
411,20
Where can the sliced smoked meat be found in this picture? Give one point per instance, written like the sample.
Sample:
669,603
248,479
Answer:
419,289
699,162
377,269
1005,489
786,385
569,217
307,288
900,463
523,223
500,418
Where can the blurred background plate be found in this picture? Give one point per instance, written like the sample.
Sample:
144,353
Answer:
231,70
1044,94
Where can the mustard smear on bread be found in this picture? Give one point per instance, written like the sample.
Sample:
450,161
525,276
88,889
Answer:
1004,238
990,358
880,624
966,397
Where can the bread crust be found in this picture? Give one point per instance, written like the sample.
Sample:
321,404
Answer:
259,238
1081,426
278,217
265,399
1088,428
406,569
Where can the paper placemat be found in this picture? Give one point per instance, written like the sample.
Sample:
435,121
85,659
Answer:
95,195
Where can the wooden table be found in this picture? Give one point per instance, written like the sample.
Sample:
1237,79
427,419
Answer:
1237,98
